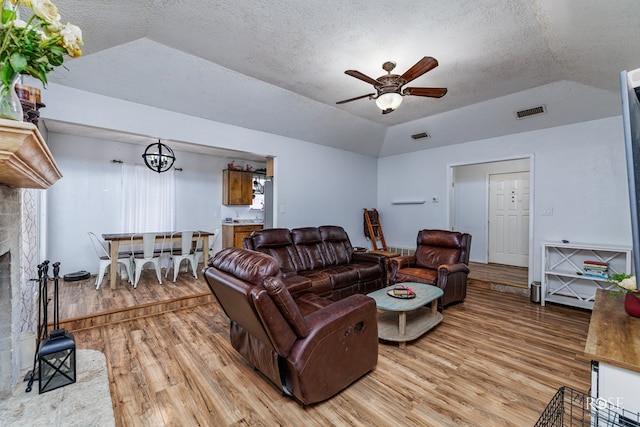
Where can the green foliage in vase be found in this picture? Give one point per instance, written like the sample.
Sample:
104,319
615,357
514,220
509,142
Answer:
38,45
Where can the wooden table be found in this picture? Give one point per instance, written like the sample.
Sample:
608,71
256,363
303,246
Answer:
115,239
613,345
614,336
403,320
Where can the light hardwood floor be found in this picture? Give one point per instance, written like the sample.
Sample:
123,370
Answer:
499,274
82,306
495,360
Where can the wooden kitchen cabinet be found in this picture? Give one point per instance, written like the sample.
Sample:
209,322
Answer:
237,187
232,235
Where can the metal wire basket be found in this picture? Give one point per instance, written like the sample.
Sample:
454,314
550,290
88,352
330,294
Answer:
571,408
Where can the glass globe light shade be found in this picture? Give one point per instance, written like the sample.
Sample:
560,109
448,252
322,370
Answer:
159,157
389,100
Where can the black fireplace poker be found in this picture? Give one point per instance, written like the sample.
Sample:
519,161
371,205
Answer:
56,310
43,302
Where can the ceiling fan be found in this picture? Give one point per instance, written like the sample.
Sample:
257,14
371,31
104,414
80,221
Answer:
388,88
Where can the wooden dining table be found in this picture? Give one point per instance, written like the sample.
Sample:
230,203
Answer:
116,239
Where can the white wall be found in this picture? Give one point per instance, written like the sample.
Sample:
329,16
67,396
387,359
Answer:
88,196
85,199
313,185
579,171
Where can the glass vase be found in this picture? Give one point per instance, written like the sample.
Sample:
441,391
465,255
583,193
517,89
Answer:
10,106
632,304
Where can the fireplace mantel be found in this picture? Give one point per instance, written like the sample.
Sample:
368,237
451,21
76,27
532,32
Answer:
25,159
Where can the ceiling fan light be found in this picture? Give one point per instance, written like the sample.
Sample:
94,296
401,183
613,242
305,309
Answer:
389,100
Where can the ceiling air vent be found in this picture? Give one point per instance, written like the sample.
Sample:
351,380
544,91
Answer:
420,135
531,112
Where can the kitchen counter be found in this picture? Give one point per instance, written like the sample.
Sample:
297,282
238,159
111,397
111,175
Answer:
249,222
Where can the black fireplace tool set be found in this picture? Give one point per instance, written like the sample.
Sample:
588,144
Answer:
54,360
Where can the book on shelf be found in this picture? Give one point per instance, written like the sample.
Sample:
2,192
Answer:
596,269
596,263
596,276
590,268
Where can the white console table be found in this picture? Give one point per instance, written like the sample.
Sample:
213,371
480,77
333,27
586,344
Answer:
563,280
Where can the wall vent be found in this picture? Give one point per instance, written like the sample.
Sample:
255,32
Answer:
531,112
402,251
420,135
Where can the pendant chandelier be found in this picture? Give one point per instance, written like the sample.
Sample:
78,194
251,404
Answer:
159,157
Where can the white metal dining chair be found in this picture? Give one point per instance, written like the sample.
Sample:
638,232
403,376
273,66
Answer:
104,258
149,254
210,240
185,251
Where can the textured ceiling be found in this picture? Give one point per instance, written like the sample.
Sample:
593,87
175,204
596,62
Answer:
278,66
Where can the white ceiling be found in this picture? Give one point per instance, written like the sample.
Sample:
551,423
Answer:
278,66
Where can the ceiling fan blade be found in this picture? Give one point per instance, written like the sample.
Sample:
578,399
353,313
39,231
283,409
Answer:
363,77
356,98
432,92
425,64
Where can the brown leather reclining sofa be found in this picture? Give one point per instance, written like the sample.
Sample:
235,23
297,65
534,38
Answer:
320,260
310,347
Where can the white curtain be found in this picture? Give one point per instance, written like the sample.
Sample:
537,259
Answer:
148,199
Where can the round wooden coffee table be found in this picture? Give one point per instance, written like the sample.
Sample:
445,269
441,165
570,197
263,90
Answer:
401,320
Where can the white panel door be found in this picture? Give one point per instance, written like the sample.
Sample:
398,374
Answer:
509,218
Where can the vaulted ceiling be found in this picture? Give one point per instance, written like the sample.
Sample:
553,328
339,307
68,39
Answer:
278,66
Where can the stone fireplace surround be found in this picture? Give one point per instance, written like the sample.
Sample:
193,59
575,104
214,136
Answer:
18,294
26,164
10,292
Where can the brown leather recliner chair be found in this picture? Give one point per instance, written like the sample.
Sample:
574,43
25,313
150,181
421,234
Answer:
441,259
311,347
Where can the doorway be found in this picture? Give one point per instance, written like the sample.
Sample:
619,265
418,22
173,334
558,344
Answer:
469,204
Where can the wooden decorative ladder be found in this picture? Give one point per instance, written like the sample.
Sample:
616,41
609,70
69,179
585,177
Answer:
373,230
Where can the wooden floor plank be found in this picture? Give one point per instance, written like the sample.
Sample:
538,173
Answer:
80,298
499,274
495,360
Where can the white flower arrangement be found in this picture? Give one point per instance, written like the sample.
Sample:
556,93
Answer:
626,284
35,46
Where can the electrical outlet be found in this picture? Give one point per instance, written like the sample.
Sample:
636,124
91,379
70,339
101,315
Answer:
547,212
